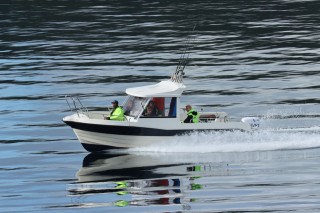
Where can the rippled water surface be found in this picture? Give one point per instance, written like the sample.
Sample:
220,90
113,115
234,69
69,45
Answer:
250,58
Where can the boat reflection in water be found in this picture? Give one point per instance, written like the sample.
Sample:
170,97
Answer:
147,179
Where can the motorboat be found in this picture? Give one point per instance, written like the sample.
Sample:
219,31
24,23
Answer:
138,130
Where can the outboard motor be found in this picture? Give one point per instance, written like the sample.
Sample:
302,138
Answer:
254,122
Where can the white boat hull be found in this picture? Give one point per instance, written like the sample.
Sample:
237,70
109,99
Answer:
93,141
98,135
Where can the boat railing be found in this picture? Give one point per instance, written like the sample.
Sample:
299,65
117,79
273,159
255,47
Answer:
208,117
75,105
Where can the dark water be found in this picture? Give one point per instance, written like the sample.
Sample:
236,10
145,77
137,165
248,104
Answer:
257,58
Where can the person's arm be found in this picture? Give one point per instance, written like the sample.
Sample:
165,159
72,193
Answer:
188,119
194,113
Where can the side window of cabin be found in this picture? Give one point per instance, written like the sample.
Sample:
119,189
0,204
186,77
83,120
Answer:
159,104
171,107
166,107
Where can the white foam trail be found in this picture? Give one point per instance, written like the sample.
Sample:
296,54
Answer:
205,142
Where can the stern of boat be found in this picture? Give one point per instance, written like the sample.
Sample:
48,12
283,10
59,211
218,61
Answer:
254,122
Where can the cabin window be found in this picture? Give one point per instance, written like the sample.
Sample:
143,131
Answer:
134,106
161,107
171,107
159,104
154,108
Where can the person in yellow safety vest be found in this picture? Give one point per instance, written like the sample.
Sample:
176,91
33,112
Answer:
193,116
117,113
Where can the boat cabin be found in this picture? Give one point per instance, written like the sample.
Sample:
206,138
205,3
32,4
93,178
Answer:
160,100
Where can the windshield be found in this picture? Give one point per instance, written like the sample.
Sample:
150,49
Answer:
134,106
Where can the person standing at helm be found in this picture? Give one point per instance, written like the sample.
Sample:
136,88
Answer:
193,116
117,112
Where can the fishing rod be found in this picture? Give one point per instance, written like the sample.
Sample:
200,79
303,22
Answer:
184,58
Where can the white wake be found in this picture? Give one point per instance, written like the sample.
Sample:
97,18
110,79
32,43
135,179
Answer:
205,142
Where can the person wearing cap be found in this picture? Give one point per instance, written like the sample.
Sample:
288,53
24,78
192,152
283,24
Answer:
117,112
193,116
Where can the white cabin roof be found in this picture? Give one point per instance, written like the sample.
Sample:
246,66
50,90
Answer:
162,89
